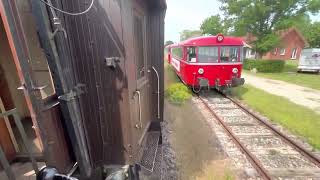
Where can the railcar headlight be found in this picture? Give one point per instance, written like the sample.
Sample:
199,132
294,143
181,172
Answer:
235,70
200,71
220,37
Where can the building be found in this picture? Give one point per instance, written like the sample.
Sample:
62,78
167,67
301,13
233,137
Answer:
291,44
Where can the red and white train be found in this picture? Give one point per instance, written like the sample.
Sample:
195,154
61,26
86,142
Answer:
208,62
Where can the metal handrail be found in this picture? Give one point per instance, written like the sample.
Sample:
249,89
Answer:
3,159
158,90
139,102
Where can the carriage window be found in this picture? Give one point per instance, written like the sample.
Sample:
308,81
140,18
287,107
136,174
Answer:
191,54
177,52
229,54
208,54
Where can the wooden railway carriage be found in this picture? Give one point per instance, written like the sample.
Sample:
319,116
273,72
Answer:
106,64
209,61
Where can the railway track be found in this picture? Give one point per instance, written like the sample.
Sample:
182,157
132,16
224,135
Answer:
272,153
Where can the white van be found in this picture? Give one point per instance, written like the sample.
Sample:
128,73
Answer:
309,60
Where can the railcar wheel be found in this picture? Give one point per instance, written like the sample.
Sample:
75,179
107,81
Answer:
195,90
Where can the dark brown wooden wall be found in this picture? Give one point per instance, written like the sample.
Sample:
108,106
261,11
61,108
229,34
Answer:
156,37
105,106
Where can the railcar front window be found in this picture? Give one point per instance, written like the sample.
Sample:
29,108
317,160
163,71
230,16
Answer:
229,54
242,53
208,54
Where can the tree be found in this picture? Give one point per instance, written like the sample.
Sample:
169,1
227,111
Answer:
186,34
302,22
263,18
313,35
168,43
213,25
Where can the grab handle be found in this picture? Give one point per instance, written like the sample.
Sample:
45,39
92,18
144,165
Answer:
137,92
158,91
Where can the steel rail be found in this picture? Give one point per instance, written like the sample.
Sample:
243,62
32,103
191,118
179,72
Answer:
254,161
313,158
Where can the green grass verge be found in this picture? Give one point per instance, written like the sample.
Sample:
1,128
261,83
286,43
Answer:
290,75
298,119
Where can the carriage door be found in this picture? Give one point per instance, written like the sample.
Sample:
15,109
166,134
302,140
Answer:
142,93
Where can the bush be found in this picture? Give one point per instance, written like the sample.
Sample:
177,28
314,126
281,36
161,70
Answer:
270,66
178,93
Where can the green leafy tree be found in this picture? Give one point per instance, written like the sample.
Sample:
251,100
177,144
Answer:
213,25
264,17
168,43
186,34
302,22
313,35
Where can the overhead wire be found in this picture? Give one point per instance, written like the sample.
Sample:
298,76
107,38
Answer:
69,13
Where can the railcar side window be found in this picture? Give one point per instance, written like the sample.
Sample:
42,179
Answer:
177,52
191,54
229,54
208,54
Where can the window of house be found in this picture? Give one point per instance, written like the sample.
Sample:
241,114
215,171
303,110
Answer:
294,53
282,51
208,54
275,51
252,52
177,52
229,54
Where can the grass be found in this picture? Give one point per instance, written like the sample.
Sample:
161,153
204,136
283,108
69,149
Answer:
290,75
217,170
298,119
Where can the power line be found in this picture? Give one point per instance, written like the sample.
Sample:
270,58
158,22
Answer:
69,13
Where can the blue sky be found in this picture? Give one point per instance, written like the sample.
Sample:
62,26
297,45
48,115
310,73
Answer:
188,14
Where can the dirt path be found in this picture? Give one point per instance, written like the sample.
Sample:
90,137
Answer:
198,152
298,94
195,147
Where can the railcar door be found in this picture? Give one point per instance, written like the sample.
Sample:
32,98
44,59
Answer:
142,96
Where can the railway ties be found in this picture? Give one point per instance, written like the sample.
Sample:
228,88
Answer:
271,153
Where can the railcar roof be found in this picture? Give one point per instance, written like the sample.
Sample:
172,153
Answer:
210,41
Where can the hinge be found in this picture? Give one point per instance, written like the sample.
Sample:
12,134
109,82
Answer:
75,92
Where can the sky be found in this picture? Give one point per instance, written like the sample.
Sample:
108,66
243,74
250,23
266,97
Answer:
189,14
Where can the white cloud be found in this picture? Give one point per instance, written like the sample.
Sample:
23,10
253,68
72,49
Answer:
187,14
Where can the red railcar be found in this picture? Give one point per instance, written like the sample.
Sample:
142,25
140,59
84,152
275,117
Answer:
209,61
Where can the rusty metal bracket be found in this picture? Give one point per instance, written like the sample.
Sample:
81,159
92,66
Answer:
75,92
34,88
112,61
59,28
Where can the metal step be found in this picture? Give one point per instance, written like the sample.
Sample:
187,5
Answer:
149,151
